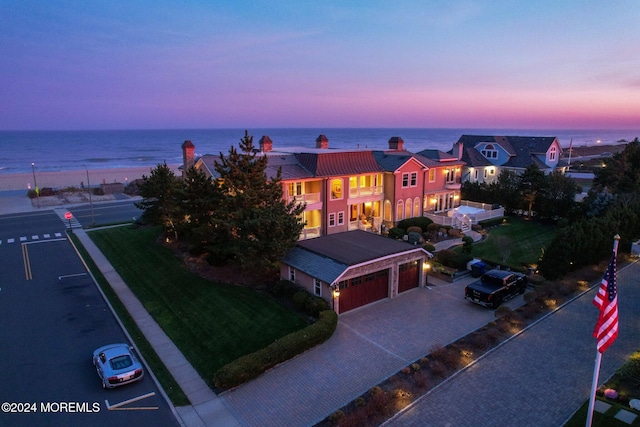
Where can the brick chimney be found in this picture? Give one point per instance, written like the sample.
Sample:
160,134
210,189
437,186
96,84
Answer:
396,143
322,142
266,144
188,156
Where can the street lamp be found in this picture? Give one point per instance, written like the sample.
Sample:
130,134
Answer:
35,184
93,223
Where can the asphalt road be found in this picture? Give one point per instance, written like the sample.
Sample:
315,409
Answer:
52,317
105,213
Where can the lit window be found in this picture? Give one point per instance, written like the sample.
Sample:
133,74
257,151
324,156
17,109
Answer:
432,175
336,189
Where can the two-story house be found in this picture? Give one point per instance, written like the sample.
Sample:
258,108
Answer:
486,156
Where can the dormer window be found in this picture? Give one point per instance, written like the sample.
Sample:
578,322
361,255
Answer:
490,152
552,153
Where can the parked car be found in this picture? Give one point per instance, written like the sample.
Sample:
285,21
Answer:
117,365
495,287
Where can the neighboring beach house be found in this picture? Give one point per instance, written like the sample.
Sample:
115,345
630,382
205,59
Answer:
486,156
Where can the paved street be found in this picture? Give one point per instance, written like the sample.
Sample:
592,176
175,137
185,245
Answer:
541,377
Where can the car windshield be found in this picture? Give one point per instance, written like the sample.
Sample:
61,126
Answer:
121,362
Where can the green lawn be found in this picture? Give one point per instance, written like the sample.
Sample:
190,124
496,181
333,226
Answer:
212,323
516,243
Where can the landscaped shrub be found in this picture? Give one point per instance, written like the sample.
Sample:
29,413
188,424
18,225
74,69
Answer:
300,299
433,228
284,287
414,229
252,365
314,305
414,237
396,233
467,244
419,221
455,233
429,247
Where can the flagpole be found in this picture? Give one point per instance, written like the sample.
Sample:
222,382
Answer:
570,151
596,369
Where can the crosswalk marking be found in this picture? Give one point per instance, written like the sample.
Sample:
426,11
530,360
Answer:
34,237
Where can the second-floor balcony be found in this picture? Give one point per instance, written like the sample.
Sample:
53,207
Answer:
453,185
355,192
308,198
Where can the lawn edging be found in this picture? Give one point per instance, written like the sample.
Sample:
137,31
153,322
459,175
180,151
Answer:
255,364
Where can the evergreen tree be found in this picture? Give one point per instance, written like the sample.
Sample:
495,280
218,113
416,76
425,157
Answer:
199,199
507,190
254,225
160,199
532,181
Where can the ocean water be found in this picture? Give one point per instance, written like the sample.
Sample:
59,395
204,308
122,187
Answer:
72,150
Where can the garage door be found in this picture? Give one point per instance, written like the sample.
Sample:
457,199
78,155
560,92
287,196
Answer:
363,290
408,276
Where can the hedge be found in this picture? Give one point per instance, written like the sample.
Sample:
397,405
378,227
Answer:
255,364
419,221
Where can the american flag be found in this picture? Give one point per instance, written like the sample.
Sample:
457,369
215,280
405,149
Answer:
606,300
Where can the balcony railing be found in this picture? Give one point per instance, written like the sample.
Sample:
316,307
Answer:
308,198
453,185
365,191
310,233
371,224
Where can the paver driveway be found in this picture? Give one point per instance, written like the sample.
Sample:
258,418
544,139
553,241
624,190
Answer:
369,345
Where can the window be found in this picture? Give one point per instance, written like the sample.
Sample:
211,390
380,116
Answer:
409,179
336,189
332,220
432,175
475,175
552,153
414,179
341,218
399,210
387,210
317,287
405,180
295,189
451,175
292,274
407,209
416,207
490,152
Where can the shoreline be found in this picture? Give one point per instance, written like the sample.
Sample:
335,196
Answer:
76,177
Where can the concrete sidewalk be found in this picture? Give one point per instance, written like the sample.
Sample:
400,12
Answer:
206,408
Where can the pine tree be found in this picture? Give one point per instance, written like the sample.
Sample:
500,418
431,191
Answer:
160,195
254,225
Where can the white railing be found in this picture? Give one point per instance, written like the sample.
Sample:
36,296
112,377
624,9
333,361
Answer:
307,198
310,233
488,213
372,224
365,191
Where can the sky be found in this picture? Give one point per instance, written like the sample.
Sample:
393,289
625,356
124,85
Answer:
271,64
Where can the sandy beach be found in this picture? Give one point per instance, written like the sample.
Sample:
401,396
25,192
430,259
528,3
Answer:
24,181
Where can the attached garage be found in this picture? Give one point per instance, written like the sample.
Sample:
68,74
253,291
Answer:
354,268
408,276
363,290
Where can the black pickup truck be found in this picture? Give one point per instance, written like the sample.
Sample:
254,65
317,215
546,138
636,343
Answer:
496,286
